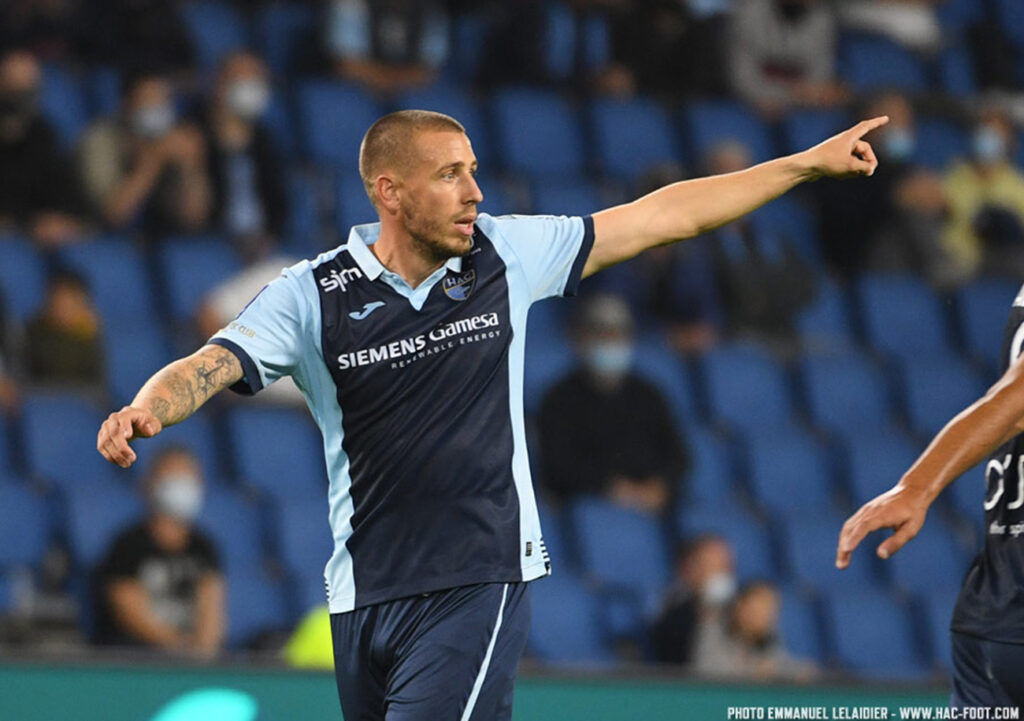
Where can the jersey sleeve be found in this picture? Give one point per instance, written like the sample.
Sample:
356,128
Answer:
269,335
551,250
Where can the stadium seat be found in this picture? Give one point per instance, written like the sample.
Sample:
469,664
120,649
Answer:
233,524
191,268
576,197
938,607
59,440
538,133
957,73
982,310
95,516
872,63
62,102
845,393
746,388
799,626
546,363
470,32
199,434
8,593
1009,14
711,122
810,547
102,91
621,548
749,538
353,206
710,479
876,461
631,137
957,15
902,316
255,605
303,536
873,635
462,106
285,34
558,637
802,129
305,592
22,277
967,494
6,448
115,271
933,559
292,464
660,366
333,117
556,535
789,473
825,322
936,389
786,219
216,30
302,234
24,526
939,143
281,123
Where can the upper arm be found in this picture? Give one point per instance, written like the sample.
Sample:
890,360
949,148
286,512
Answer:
127,597
625,231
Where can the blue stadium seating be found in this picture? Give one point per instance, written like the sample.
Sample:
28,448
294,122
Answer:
333,117
255,604
958,15
285,32
22,277
293,464
59,440
938,610
931,561
557,537
198,434
936,390
710,122
786,219
710,479
558,637
746,389
303,536
790,473
902,316
967,495
233,524
353,205
463,107
750,539
872,62
62,102
7,592
877,460
957,73
811,554
845,393
280,122
102,91
578,197
939,143
802,129
546,364
631,137
95,515
305,592
983,308
470,31
884,648
799,626
661,367
825,323
7,461
115,271
302,236
25,528
191,268
1009,14
216,29
537,133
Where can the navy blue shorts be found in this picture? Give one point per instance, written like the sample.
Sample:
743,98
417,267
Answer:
987,673
445,656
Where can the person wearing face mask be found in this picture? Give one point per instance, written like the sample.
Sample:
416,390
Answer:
38,188
64,341
984,229
147,169
605,430
248,200
160,583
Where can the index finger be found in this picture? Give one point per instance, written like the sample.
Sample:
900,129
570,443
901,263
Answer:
854,531
866,126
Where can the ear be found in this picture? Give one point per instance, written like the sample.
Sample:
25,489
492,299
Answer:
387,192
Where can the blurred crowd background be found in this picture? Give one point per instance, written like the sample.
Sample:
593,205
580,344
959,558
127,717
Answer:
701,419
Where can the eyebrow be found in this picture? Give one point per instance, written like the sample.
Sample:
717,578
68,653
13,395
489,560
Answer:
456,165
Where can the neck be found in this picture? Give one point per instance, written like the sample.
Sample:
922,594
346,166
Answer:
232,131
400,253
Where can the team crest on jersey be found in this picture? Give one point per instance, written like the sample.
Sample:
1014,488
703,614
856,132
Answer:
458,287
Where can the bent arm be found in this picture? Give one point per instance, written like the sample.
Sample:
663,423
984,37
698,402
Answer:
130,607
210,621
180,389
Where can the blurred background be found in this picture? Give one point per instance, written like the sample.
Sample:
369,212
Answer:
702,418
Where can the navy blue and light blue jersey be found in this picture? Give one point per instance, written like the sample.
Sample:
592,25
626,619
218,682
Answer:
418,393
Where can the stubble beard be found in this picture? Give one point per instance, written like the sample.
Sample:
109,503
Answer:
429,239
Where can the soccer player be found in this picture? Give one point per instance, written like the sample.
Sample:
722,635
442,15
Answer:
988,620
407,342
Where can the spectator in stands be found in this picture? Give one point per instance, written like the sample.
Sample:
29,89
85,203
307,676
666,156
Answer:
390,46
137,36
763,278
147,167
38,189
985,196
603,429
783,54
64,343
248,200
8,388
160,583
704,584
911,23
744,643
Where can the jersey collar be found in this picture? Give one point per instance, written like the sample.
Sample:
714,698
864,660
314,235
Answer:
361,237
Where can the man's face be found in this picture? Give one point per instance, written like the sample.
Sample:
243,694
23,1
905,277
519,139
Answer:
438,194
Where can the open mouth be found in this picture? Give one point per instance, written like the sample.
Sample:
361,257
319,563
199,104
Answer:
465,224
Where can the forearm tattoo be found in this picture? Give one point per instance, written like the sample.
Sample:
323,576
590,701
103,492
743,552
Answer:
177,391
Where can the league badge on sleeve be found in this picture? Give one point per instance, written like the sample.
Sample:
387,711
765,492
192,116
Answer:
458,287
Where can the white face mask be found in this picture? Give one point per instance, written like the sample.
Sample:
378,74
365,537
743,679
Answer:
248,99
719,589
154,121
178,496
608,359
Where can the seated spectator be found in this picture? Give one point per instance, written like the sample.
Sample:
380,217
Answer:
985,195
248,200
38,189
764,280
160,583
64,343
704,584
147,168
603,429
745,643
782,53
389,46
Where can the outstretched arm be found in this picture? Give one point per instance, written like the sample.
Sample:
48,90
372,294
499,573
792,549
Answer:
172,395
965,441
691,207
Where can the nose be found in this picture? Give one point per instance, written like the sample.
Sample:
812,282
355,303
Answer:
473,193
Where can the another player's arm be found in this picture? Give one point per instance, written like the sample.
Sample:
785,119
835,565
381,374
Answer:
691,207
172,395
965,441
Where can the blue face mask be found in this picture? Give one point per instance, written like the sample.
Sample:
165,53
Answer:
608,359
899,144
988,145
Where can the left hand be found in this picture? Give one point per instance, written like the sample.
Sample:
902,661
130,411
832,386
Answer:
901,508
845,154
